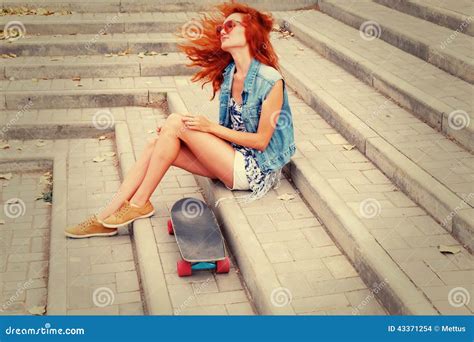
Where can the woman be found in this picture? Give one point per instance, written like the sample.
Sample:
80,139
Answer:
251,143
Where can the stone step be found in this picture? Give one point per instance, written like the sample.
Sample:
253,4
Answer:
403,77
456,15
88,92
94,66
98,23
289,262
100,6
432,43
390,240
434,171
88,44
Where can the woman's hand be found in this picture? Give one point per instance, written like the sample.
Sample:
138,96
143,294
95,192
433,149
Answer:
198,123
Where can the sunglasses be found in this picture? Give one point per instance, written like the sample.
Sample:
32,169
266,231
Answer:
228,26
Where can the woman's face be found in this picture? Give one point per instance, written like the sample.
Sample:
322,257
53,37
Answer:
233,37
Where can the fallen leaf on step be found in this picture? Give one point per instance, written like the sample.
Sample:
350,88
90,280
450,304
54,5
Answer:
79,85
109,55
56,59
76,78
102,137
286,197
125,52
449,249
2,221
150,53
4,146
141,55
300,48
98,159
37,310
40,143
6,176
348,147
109,154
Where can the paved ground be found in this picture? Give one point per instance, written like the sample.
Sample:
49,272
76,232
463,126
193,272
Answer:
313,273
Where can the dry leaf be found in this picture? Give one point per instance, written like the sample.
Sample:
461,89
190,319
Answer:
109,55
102,137
2,221
40,143
109,154
141,55
348,147
6,176
98,159
286,197
37,310
449,249
4,146
76,78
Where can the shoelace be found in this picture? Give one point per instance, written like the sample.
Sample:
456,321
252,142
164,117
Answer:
123,209
87,222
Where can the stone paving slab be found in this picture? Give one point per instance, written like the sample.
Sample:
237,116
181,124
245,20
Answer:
24,240
426,40
432,94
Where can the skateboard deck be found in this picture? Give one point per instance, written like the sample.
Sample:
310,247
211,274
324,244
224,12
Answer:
196,230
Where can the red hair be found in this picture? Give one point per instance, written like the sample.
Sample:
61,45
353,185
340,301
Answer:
203,45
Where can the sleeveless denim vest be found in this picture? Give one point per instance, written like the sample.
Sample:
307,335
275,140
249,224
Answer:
258,82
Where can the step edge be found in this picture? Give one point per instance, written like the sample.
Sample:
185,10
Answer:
400,296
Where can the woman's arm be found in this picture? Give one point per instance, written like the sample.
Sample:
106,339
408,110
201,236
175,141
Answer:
268,118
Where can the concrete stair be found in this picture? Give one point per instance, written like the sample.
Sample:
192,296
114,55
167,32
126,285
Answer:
380,129
456,15
423,39
366,219
418,86
101,6
94,66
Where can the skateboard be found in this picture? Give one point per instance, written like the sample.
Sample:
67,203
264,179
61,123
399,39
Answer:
198,236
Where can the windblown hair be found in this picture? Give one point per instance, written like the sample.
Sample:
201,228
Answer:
202,44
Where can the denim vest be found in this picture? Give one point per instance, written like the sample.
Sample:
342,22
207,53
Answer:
259,81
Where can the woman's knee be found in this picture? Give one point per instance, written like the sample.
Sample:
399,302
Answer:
175,120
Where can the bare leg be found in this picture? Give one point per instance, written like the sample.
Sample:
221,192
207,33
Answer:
185,160
215,154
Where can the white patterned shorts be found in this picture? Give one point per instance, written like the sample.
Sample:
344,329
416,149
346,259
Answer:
240,175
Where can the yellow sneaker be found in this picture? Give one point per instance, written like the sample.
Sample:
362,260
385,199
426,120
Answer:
127,214
88,228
